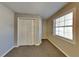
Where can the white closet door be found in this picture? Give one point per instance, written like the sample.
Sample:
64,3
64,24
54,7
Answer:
25,32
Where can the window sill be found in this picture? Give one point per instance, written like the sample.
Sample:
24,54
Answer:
65,39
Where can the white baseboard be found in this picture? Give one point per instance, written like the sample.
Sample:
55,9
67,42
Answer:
16,46
38,43
59,49
7,51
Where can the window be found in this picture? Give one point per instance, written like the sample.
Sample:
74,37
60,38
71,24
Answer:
64,26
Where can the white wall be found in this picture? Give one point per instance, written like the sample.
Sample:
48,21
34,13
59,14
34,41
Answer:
6,29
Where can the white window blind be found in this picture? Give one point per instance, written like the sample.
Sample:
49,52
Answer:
64,26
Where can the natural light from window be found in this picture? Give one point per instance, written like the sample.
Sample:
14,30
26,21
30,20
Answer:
64,26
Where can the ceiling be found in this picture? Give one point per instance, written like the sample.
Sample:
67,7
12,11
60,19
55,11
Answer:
43,9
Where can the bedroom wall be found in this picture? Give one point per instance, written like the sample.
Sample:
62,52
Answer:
44,29
68,48
6,29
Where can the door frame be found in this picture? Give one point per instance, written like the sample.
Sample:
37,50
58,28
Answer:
40,26
18,29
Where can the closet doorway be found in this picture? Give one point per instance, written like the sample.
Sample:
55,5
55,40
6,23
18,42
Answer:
25,32
29,31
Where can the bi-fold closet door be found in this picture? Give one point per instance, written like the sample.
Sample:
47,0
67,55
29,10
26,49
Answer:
28,32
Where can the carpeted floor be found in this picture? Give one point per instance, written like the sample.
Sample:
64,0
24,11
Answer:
46,49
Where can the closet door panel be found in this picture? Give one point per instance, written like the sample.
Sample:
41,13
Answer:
25,32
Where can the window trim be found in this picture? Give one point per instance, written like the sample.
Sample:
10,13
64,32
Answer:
73,26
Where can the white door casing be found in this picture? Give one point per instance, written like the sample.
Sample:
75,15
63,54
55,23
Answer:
29,31
25,32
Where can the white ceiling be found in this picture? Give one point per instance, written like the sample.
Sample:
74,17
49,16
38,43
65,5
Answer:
43,9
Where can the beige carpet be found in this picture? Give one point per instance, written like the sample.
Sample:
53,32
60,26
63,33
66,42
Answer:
46,49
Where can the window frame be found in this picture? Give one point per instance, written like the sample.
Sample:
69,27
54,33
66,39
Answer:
73,26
